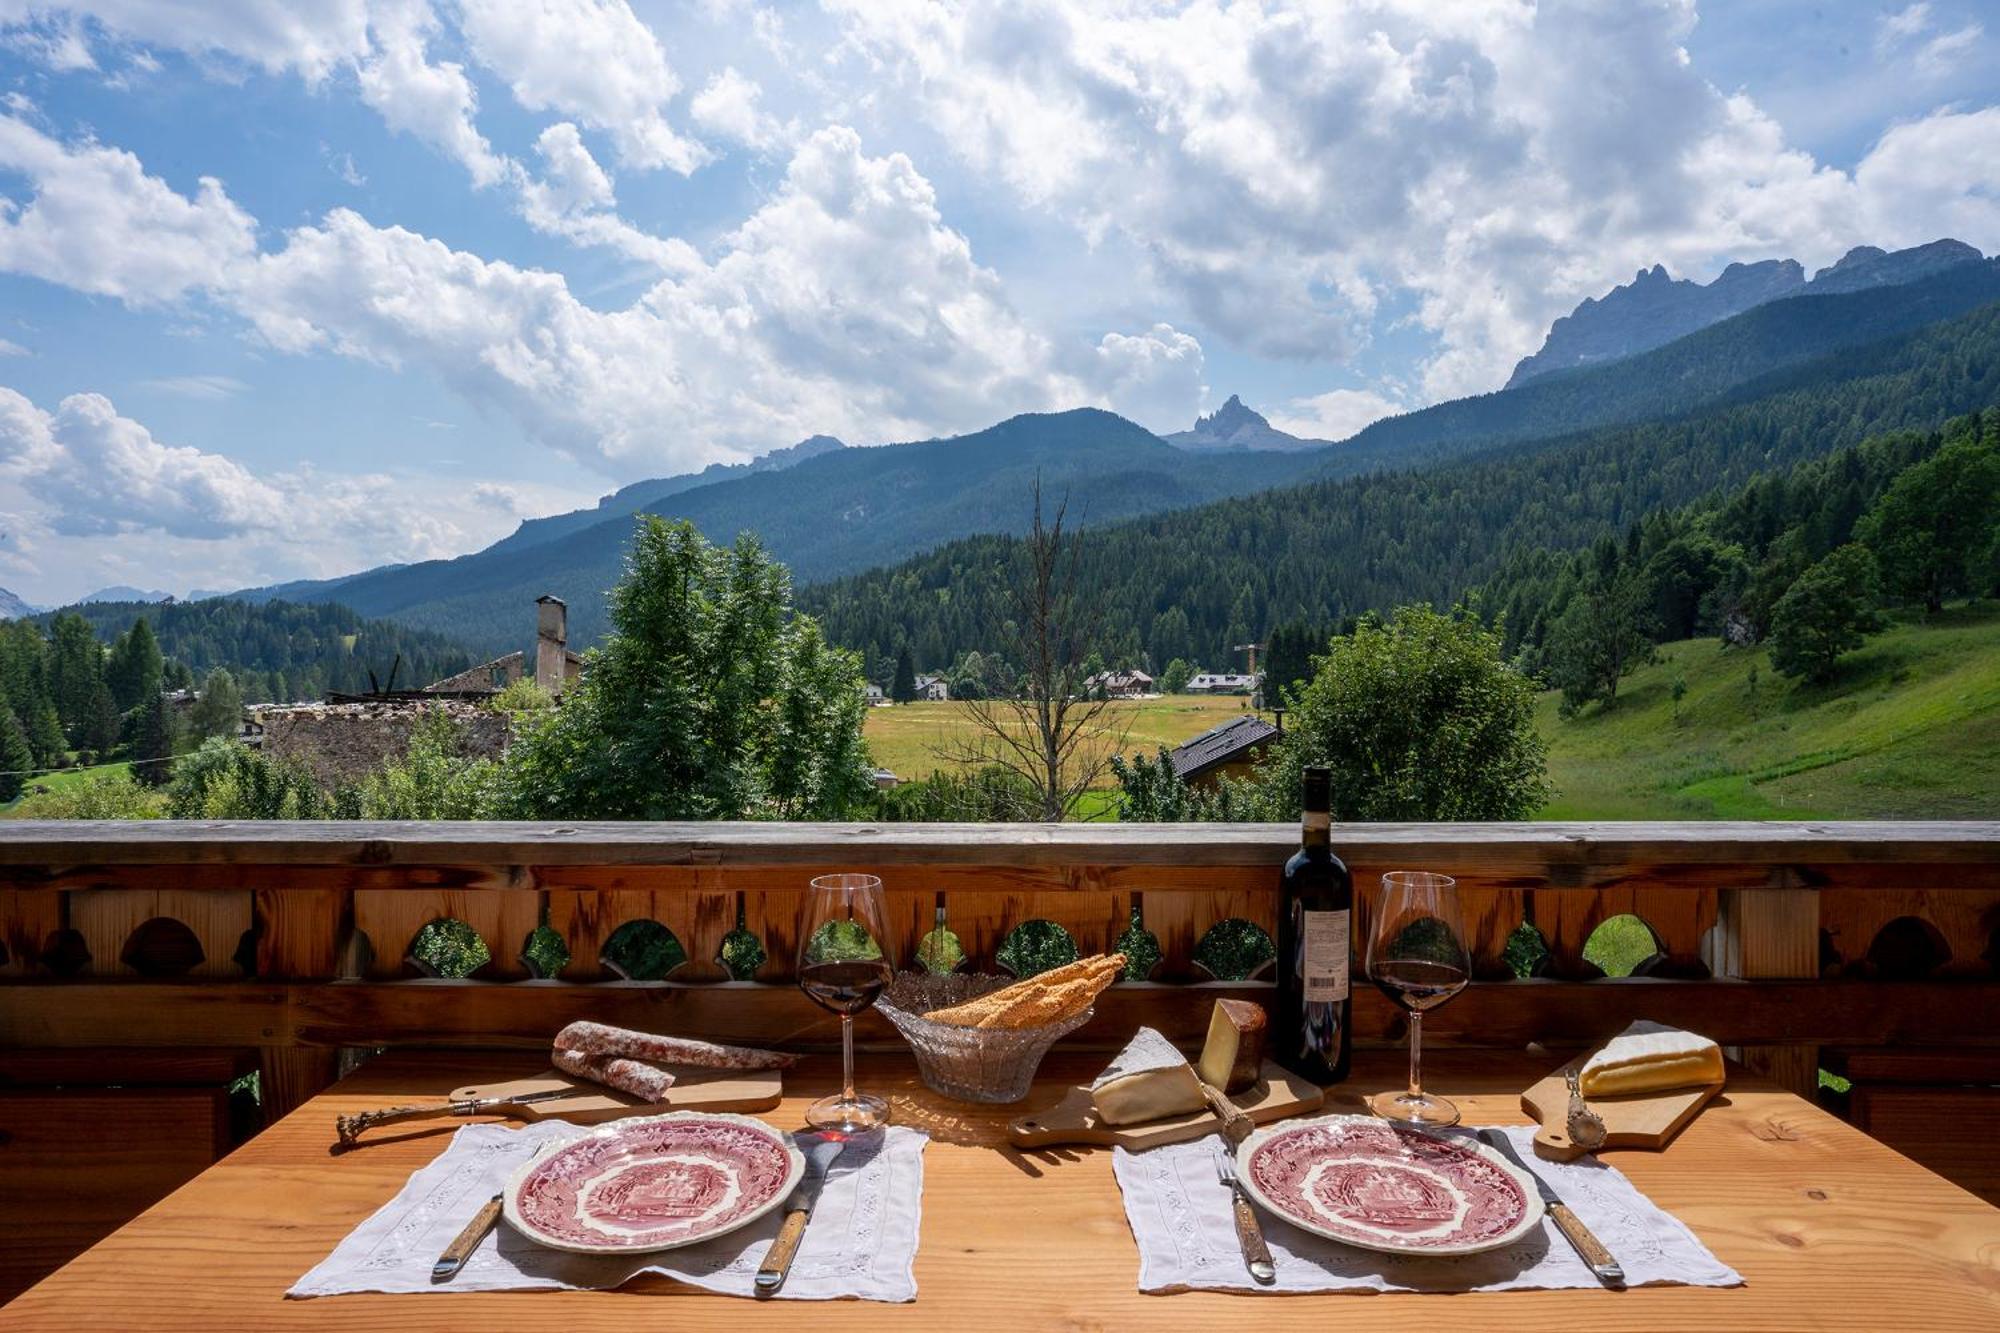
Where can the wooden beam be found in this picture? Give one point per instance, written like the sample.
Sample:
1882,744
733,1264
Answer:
43,846
526,1014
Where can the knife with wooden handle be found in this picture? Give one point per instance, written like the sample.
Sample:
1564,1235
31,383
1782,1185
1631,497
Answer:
350,1127
777,1264
456,1253
1585,1242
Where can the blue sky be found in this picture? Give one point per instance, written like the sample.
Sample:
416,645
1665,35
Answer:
289,290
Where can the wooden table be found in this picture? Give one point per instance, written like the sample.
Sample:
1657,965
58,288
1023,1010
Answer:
1829,1228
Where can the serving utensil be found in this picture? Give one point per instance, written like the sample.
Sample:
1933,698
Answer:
1586,1127
1580,1237
349,1128
820,1155
461,1248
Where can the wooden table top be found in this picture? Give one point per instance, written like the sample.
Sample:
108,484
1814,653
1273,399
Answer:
1828,1227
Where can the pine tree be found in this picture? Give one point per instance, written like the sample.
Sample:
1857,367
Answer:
135,667
17,757
153,743
903,688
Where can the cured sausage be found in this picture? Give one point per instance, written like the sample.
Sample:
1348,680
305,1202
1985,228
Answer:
602,1040
641,1080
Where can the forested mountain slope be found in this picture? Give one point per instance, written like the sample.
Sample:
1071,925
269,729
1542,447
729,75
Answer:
1192,584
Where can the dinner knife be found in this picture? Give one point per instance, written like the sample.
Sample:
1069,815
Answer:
456,1253
778,1259
1580,1237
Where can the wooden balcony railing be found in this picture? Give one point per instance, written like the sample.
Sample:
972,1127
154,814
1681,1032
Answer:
131,954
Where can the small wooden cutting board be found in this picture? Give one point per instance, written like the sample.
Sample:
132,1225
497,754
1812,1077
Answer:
1279,1093
693,1090
1649,1120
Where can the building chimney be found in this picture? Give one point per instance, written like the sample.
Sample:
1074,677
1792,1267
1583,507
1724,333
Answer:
551,643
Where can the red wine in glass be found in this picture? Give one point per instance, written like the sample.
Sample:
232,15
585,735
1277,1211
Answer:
1418,985
845,988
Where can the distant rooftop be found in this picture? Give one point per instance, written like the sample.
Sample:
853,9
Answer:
1229,743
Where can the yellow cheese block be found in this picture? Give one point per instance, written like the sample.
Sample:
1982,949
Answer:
1651,1057
1147,1080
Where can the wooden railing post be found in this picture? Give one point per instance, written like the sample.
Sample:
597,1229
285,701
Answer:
1767,934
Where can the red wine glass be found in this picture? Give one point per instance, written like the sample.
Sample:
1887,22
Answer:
844,963
1417,957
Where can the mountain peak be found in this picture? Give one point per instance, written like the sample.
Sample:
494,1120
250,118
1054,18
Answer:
1655,308
1236,425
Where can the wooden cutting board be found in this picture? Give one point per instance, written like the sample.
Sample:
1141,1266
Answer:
1279,1093
693,1090
1648,1120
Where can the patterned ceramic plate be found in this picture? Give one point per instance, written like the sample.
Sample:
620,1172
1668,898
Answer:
1365,1182
654,1183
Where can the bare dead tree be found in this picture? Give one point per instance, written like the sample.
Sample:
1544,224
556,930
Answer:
1047,730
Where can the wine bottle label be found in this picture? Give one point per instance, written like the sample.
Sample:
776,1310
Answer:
1326,941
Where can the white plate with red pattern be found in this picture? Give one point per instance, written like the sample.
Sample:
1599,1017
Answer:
654,1183
1369,1183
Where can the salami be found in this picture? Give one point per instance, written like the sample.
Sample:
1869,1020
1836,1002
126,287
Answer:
602,1040
636,1077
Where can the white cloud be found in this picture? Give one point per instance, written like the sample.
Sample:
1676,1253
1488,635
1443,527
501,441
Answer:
101,474
433,103
8,348
590,59
1288,170
1336,414
728,106
275,35
95,221
71,477
55,41
1155,378
1899,26
209,388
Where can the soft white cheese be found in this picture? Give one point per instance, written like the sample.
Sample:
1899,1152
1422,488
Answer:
1148,1080
1651,1057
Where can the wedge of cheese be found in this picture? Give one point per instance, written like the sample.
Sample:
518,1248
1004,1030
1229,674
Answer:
1651,1057
1233,1056
1148,1080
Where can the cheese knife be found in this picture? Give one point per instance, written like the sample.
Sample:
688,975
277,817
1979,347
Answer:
1580,1237
820,1155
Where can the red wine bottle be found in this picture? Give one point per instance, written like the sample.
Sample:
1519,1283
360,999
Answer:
1310,1024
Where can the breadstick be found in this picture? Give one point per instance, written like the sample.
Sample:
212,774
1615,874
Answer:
634,1076
601,1039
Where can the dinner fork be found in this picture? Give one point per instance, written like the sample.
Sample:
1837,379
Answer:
1249,1235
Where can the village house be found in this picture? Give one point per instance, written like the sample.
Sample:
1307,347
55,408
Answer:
1221,682
933,688
1231,749
873,694
1128,684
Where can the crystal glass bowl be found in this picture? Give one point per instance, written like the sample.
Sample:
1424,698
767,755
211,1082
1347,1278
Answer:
968,1064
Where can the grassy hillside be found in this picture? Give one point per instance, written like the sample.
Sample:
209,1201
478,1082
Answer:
1909,730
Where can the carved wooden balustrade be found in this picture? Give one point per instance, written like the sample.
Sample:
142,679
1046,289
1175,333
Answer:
142,963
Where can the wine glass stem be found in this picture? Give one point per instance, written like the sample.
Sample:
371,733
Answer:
847,1059
1416,1055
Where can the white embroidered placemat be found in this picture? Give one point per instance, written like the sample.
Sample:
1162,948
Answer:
1180,1215
862,1242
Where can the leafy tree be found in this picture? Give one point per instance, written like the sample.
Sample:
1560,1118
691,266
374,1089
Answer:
435,778
707,676
903,686
1604,633
226,780
1936,520
1149,792
218,711
153,742
1174,680
17,757
135,667
1829,611
1420,718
